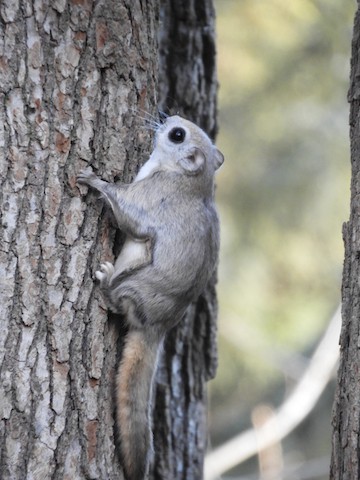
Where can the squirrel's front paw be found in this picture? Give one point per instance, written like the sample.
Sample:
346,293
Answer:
86,176
105,273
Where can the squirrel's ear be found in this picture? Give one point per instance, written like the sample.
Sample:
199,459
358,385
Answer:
218,158
194,161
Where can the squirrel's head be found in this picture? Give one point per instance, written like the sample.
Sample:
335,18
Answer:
180,144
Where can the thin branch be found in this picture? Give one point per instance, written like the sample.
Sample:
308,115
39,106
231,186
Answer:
290,414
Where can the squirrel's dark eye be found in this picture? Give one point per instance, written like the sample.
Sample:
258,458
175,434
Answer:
177,135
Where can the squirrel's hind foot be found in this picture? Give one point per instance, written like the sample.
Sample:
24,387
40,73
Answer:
104,274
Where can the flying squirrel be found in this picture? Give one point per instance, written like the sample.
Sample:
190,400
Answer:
170,252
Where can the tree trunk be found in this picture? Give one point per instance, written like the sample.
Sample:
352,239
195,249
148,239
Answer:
187,85
75,78
345,462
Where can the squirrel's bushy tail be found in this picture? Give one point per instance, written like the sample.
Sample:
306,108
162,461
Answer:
133,402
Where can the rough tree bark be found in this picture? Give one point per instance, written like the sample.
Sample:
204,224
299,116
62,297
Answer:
345,461
75,78
188,85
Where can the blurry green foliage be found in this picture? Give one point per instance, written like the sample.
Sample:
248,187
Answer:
283,191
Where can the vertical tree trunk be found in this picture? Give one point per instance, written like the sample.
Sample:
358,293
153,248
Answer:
345,462
187,78
75,77
188,86
71,75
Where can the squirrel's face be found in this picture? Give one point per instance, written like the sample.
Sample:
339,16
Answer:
179,143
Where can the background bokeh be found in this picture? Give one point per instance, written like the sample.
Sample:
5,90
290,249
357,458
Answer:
283,194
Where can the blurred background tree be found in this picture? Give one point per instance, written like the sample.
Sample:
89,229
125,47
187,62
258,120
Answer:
283,195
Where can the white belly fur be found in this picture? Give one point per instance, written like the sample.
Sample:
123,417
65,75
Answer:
133,254
136,252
